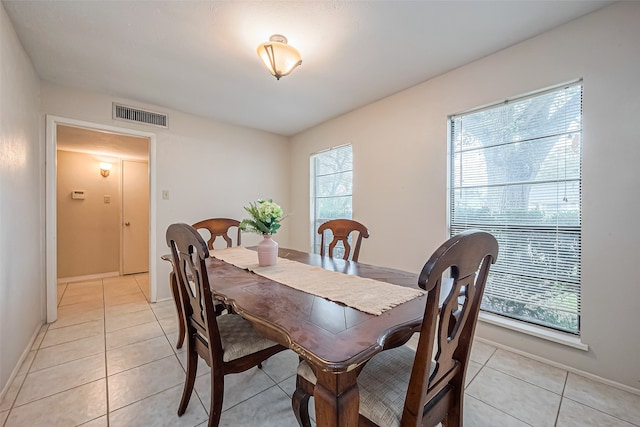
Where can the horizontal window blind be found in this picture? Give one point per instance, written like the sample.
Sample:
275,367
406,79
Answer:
515,171
332,190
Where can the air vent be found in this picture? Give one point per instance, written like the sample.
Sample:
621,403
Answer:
131,114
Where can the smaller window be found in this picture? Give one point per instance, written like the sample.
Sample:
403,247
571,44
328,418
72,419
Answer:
331,189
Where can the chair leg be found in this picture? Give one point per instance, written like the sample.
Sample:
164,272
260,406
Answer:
192,368
300,405
217,395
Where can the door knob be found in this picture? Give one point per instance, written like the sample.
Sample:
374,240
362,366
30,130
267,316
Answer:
127,223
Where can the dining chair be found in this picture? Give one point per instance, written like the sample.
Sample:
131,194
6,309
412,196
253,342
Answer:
219,227
341,229
403,387
227,342
216,227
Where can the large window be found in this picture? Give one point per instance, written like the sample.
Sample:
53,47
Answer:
515,171
331,187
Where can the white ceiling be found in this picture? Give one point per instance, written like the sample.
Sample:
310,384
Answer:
105,146
200,56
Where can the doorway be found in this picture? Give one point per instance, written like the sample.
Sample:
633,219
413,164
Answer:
100,143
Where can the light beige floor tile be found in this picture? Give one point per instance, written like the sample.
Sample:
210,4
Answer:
60,292
112,282
133,334
40,337
517,398
76,309
173,340
12,392
619,403
281,366
126,308
94,304
76,315
472,370
529,370
274,411
130,356
47,382
85,283
66,352
165,310
91,300
574,414
69,408
3,416
124,299
118,290
288,385
115,280
143,381
159,410
143,283
72,333
98,422
481,352
237,387
479,414
84,288
26,364
169,325
122,321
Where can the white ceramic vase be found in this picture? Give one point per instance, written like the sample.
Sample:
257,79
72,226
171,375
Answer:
267,251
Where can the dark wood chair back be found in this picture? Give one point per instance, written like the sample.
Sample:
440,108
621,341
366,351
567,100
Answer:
455,277
219,227
459,267
341,229
188,251
227,342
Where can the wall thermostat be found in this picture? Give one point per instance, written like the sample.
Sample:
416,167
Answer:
77,194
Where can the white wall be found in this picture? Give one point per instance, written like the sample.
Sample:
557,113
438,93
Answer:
21,203
211,169
400,157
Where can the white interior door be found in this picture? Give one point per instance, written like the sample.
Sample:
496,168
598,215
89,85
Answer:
135,217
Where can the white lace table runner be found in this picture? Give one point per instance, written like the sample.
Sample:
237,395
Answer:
368,295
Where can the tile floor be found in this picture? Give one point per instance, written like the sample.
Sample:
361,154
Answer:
110,360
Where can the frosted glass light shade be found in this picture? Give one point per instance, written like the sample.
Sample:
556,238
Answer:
279,57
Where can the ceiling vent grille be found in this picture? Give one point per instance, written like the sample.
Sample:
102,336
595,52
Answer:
131,114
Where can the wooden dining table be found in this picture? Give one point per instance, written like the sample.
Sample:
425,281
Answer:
335,339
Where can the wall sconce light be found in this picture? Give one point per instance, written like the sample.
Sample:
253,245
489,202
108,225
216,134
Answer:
105,168
279,57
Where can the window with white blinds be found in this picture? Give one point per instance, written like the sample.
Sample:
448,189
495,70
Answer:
331,190
515,171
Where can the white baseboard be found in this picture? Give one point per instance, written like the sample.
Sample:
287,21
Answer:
23,357
561,366
87,277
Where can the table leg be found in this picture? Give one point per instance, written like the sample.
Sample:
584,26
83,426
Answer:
336,399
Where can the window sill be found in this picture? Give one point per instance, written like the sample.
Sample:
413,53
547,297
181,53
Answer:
536,331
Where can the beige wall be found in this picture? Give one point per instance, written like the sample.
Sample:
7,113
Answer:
89,229
400,173
21,203
210,168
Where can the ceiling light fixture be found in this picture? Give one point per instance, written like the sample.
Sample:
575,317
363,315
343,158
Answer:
279,57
